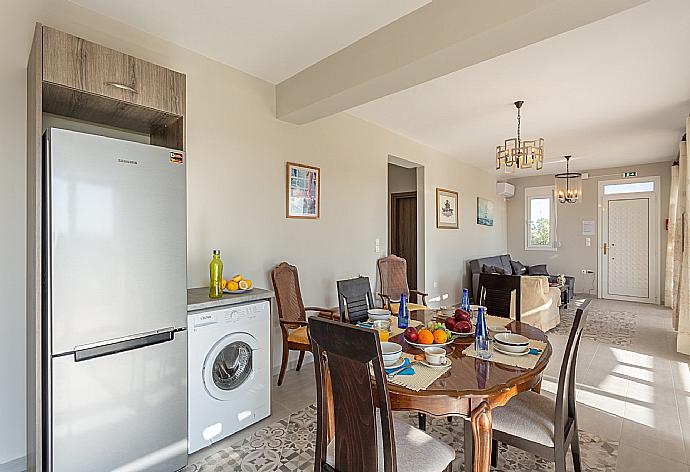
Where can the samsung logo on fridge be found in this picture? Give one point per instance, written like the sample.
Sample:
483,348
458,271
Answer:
127,161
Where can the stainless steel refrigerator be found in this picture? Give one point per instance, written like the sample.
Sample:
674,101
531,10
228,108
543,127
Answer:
115,318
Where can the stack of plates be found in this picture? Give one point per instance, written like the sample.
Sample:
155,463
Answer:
378,314
511,344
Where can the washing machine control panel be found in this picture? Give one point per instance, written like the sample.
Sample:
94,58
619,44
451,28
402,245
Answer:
229,315
240,314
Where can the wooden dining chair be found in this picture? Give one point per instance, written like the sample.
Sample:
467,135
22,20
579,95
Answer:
496,294
292,314
393,276
363,437
354,299
537,424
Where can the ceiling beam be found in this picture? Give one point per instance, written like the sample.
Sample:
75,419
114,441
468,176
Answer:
441,37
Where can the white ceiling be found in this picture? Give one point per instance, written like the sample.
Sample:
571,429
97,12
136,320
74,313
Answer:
270,39
615,92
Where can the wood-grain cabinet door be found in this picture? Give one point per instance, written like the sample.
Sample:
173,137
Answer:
82,65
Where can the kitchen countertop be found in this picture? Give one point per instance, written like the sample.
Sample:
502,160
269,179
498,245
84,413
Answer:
197,298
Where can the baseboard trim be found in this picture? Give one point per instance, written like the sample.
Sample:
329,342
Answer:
15,465
292,365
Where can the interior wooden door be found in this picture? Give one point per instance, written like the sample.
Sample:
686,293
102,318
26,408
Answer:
404,231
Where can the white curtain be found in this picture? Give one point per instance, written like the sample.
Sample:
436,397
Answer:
669,291
681,311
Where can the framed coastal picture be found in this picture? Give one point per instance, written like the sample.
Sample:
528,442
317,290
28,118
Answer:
485,212
303,191
446,209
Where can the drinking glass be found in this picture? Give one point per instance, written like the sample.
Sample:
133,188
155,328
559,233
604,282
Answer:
384,329
482,345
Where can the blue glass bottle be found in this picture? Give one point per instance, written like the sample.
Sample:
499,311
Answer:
403,313
480,328
481,336
465,304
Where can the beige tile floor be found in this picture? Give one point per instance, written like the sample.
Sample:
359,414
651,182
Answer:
638,395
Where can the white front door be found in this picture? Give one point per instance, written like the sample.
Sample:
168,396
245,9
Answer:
629,253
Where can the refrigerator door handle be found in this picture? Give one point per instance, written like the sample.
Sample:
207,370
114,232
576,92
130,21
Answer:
84,353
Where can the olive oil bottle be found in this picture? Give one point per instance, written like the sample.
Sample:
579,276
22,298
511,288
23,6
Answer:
216,276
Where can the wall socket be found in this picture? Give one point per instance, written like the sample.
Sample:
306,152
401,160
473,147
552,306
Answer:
587,271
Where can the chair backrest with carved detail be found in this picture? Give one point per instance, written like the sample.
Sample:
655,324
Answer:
343,353
393,276
288,295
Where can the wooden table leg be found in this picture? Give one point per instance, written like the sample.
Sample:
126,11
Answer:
481,435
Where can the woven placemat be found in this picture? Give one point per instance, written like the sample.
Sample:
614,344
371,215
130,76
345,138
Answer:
525,362
493,322
423,376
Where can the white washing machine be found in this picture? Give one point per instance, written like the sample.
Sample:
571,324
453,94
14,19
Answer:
229,371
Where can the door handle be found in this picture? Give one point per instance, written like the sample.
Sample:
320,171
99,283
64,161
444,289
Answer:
606,248
85,353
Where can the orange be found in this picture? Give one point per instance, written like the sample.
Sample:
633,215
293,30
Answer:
440,336
426,337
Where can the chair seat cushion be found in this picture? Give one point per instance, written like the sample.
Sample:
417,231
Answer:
299,335
528,415
410,307
416,451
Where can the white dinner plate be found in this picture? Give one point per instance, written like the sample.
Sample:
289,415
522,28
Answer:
462,335
508,353
238,291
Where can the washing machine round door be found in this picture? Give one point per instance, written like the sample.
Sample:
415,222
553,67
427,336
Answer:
229,365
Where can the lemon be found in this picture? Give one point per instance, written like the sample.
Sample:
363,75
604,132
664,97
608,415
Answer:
233,286
245,284
237,278
249,283
224,283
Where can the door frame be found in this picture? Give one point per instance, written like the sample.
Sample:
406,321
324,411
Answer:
655,230
393,227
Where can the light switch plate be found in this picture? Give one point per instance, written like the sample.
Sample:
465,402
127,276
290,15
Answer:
588,242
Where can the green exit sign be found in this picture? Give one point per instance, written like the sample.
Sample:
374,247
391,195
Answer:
630,174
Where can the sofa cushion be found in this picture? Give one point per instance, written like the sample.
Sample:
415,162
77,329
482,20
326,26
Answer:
518,268
539,269
487,269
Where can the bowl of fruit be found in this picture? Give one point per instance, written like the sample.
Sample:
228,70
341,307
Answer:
433,334
460,323
237,284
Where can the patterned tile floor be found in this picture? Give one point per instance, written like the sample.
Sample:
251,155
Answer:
633,404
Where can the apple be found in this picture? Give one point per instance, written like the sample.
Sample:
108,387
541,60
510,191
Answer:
462,315
463,326
450,323
411,334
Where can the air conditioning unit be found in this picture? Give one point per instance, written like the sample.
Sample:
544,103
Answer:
504,189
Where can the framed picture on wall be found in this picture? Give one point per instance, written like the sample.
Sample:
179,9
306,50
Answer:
303,191
485,212
446,209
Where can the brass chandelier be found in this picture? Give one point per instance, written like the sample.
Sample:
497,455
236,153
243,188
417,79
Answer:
517,153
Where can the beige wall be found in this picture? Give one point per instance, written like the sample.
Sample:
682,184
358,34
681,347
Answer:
236,186
573,255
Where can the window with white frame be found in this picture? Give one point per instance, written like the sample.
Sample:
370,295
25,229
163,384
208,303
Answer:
540,212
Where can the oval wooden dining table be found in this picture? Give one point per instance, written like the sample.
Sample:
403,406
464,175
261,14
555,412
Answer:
471,387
